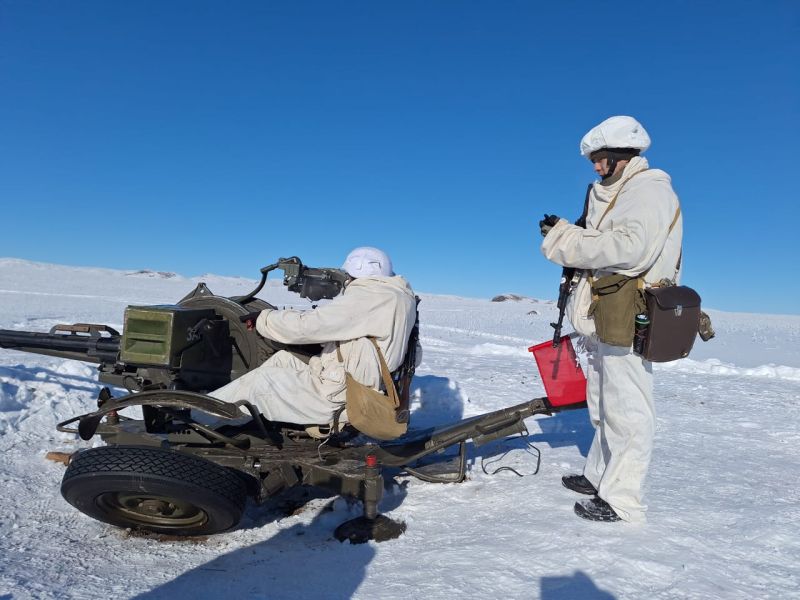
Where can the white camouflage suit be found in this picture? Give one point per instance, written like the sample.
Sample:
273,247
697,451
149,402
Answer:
286,389
633,237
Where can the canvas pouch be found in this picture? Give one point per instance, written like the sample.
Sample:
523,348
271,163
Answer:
370,411
616,300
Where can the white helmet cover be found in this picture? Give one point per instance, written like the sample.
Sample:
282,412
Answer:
615,132
366,260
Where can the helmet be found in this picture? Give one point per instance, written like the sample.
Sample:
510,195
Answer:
616,133
366,260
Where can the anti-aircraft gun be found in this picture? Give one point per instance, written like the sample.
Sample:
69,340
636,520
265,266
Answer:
187,466
198,344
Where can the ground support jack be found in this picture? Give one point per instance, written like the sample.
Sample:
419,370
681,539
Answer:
370,526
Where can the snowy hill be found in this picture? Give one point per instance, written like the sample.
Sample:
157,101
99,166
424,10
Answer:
724,519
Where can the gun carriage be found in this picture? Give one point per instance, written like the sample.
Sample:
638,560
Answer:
188,465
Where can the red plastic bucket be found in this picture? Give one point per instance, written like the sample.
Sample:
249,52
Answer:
561,372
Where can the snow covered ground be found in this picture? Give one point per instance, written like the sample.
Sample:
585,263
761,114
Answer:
724,519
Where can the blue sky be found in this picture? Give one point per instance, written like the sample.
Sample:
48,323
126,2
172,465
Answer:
197,136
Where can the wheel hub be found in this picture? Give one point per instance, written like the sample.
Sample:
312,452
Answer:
152,510
157,507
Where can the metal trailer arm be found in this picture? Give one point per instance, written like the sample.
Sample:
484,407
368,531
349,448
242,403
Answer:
481,429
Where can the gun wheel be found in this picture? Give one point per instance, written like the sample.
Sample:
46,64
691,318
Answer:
153,489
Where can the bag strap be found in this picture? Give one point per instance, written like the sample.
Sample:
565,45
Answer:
675,219
678,265
590,273
388,382
614,199
641,276
680,254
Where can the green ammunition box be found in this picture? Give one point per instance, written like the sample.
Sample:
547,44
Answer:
158,335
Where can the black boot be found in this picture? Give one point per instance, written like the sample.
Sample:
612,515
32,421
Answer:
596,509
578,483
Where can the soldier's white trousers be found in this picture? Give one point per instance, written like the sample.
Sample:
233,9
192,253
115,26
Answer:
284,388
619,395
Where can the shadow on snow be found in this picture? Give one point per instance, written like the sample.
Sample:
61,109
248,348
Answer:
441,401
568,428
34,375
579,585
300,561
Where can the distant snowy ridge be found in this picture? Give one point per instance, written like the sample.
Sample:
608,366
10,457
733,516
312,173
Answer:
149,273
518,298
714,366
711,366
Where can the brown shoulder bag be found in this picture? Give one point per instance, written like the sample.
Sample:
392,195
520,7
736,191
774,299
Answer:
370,411
674,313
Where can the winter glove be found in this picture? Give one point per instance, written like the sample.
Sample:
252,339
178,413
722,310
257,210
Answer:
546,224
250,319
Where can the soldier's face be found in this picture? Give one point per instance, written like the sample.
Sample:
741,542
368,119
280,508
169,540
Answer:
601,166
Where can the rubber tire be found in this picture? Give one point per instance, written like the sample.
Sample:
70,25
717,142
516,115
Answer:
98,482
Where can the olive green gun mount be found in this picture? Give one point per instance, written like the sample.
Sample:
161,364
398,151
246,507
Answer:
165,346
189,346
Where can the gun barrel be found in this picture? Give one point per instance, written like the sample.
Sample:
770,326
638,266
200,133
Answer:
88,348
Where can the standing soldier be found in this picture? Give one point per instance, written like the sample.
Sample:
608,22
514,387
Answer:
633,229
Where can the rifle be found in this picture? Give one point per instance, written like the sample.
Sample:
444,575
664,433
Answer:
567,275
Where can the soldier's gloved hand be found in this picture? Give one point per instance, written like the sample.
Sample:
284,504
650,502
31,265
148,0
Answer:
250,319
546,224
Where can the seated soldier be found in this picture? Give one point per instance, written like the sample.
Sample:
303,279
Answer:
375,303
